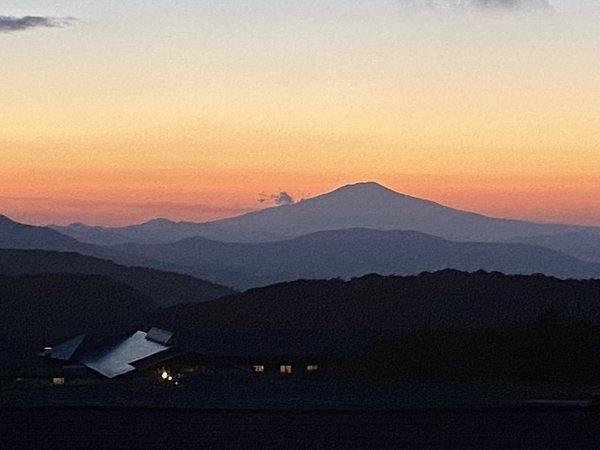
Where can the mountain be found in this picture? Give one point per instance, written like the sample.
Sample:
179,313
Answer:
581,244
14,235
342,314
92,234
354,252
151,232
45,309
18,235
361,205
164,288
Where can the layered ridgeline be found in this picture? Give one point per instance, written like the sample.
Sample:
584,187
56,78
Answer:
26,249
21,236
336,315
18,235
352,231
164,288
362,205
354,252
580,244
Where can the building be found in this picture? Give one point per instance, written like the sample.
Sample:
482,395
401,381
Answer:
133,353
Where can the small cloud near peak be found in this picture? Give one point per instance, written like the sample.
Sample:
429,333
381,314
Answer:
278,199
458,6
10,24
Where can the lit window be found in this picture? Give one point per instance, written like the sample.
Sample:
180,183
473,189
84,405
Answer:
258,368
312,367
58,381
285,368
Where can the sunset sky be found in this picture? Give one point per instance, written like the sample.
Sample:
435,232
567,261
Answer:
116,112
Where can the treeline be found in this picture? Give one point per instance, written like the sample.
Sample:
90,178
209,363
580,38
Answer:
544,350
448,299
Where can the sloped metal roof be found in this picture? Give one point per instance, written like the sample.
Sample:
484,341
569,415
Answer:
159,335
117,359
66,350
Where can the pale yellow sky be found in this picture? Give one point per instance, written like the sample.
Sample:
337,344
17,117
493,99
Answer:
190,109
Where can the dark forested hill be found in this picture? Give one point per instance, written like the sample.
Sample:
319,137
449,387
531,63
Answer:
165,288
40,310
336,317
431,300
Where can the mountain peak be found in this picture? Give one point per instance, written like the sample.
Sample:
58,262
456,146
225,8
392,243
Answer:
367,191
371,186
159,221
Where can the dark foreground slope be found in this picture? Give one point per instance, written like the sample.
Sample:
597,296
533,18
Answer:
514,428
338,313
40,310
355,252
544,350
165,288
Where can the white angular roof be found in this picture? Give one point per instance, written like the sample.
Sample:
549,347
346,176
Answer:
66,350
159,335
118,359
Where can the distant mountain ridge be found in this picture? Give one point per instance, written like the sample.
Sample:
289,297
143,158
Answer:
360,205
580,244
27,249
19,235
352,231
352,253
15,235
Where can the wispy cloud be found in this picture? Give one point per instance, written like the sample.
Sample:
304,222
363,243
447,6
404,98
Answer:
280,198
457,6
10,24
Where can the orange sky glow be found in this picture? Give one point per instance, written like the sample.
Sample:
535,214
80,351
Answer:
108,122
